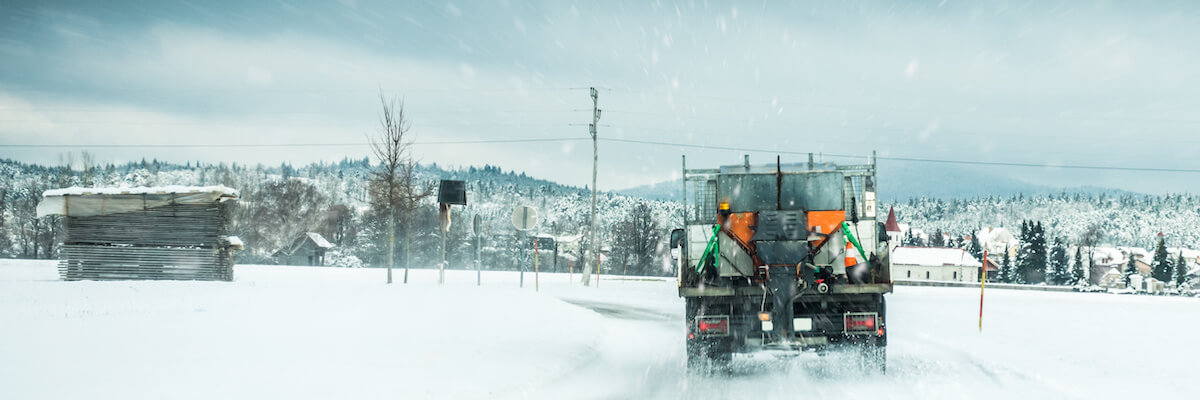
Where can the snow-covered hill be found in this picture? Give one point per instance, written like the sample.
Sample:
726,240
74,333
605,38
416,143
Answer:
280,202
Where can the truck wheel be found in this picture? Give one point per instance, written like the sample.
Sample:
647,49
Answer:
875,355
708,355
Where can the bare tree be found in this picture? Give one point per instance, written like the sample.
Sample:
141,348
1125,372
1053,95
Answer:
393,183
1090,238
86,177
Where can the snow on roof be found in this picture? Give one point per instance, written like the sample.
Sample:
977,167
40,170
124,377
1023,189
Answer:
933,256
1106,255
235,242
87,202
1187,253
1138,251
996,237
173,189
319,240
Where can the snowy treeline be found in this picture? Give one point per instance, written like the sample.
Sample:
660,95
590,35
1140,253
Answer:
280,202
1122,220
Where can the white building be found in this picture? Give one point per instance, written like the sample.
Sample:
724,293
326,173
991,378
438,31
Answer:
934,264
997,240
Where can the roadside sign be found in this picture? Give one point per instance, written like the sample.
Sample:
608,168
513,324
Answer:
452,192
524,218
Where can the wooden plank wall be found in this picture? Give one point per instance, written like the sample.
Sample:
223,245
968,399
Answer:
175,242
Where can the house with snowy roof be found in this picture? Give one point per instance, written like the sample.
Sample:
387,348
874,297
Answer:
307,249
997,240
935,264
1103,259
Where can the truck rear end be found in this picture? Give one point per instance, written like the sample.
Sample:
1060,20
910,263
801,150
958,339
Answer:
785,257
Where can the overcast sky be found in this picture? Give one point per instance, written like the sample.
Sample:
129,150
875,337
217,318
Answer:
1044,82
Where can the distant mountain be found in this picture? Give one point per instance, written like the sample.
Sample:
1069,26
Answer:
663,191
903,181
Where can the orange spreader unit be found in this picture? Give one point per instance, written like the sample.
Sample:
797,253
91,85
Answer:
824,222
738,225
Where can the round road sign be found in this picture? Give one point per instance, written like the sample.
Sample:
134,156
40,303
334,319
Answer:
524,218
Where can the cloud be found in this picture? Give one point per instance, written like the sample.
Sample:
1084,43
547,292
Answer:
668,72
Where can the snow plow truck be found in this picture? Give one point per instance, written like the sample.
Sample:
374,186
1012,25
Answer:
782,257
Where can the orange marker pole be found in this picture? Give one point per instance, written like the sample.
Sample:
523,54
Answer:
982,283
536,282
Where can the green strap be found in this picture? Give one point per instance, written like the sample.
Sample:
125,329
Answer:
713,247
853,240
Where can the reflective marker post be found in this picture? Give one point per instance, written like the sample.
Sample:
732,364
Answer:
478,252
982,283
524,218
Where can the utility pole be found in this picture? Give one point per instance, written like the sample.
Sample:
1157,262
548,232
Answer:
587,269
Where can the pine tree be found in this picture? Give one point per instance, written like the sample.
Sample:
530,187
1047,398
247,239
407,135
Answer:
1161,268
975,248
1181,269
1058,264
1007,273
1130,269
1077,275
937,239
1036,269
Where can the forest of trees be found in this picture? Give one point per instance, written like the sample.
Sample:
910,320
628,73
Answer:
1041,258
1125,219
333,199
281,202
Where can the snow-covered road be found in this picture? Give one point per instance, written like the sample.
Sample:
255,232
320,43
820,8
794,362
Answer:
293,332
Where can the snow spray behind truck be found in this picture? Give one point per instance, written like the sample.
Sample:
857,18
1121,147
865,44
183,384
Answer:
785,257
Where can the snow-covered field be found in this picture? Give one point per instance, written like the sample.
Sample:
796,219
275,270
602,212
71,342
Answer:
297,332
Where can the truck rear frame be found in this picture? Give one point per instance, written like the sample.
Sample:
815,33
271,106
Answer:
766,263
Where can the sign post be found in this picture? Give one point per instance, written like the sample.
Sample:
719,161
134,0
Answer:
478,251
449,192
536,282
524,218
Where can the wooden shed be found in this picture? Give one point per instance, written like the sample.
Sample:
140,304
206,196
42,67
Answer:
307,249
169,233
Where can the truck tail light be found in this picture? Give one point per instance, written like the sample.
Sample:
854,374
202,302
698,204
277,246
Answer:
860,322
712,326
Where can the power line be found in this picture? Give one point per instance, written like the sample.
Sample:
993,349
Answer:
1016,164
913,159
964,113
282,145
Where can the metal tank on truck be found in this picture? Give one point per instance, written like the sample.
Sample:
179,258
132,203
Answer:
784,257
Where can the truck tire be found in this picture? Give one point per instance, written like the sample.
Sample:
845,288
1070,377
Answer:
704,354
876,348
874,355
709,355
